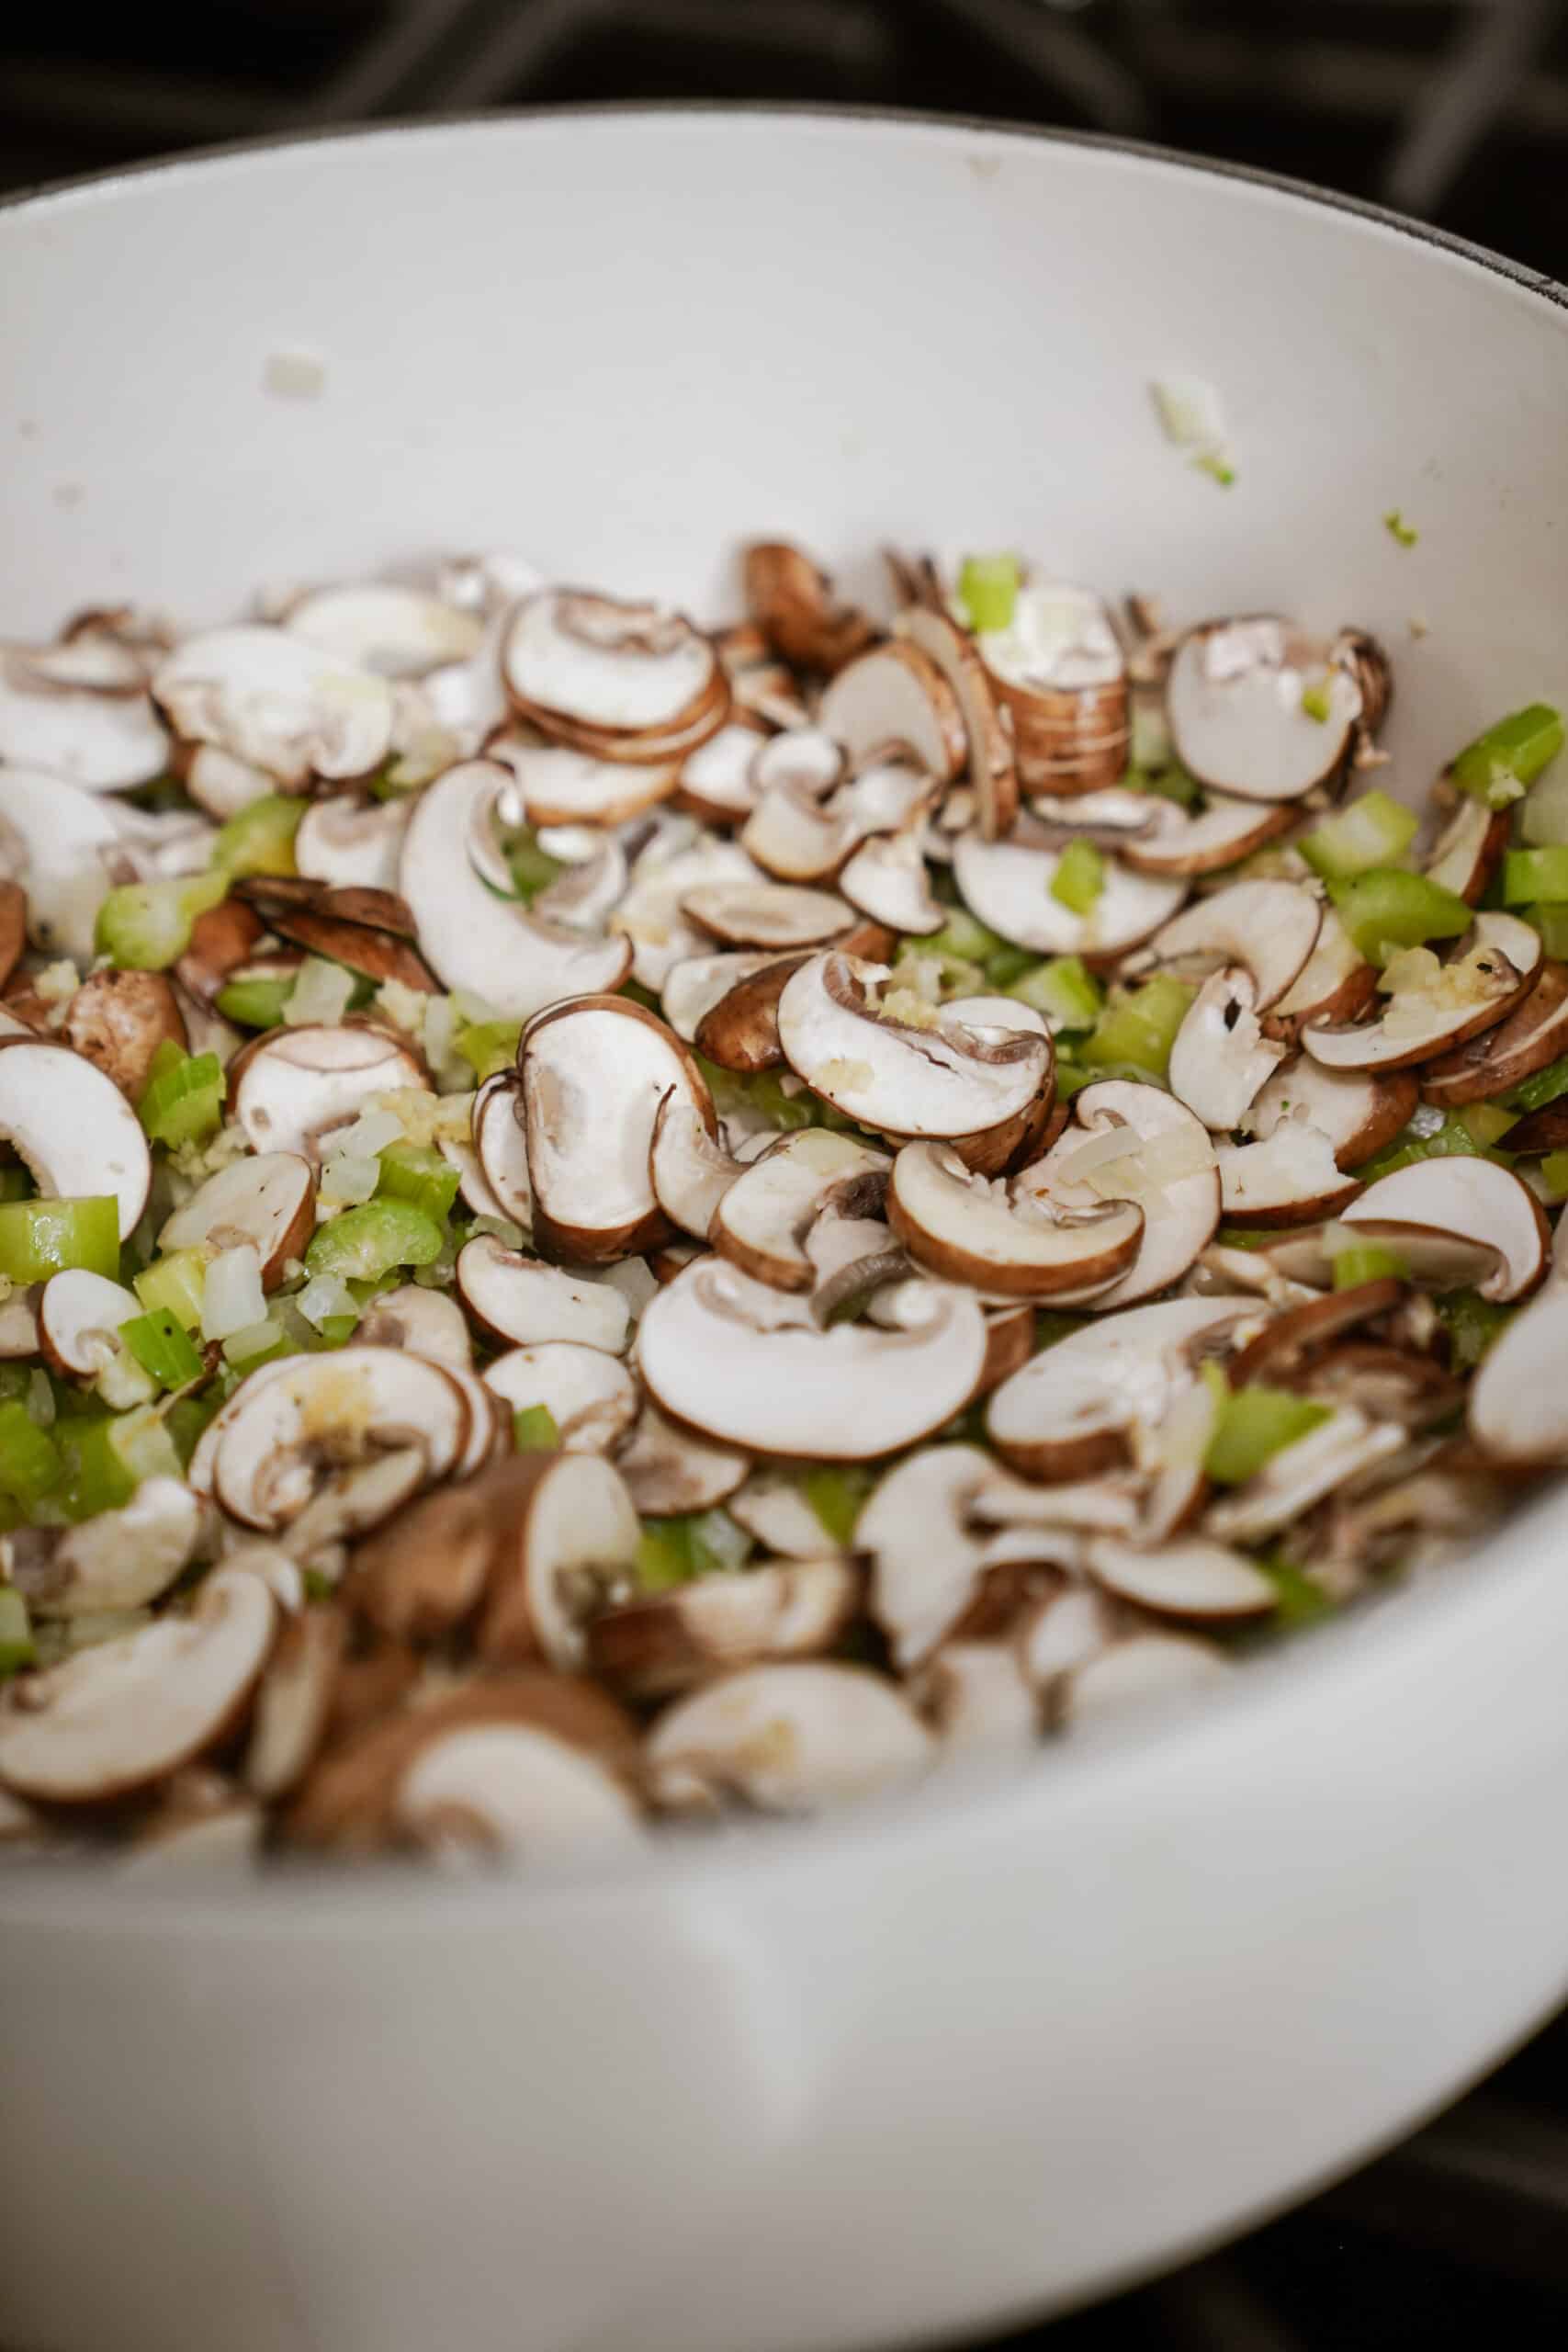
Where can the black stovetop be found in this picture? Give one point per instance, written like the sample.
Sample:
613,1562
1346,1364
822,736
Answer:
1457,109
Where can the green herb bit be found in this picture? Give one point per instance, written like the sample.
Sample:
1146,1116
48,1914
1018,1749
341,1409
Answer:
988,590
1079,877
42,1237
1254,1425
183,1100
534,1430
1387,909
1398,529
161,1347
1500,766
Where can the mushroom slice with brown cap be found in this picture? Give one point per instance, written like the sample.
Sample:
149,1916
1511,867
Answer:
1063,1630
502,1147
1361,1112
73,1127
12,928
267,1200
1536,1033
1178,844
689,1171
886,879
565,787
1538,1132
594,1073
278,1438
1113,817
1068,1413
521,1302
655,1647
1137,1143
1517,1411
741,1032
268,698
65,848
426,1570
1220,1059
124,1714
693,987
762,1217
976,1696
595,662
294,1702
669,1471
588,893
937,1082
968,1228
1059,673
1241,697
1473,1200
1195,1579
792,1737
928,1557
219,783
1141,1667
776,915
1433,1006
1469,849
771,1507
991,767
64,708
591,1397
79,1316
1267,928
1300,1474
381,626
19,1334
121,1559
351,844
1335,983
294,1087
668,866
119,1020
429,1322
716,781
475,940
509,1793
571,1546
1290,1177
1007,885
896,695
747,1365
794,837
793,604
223,939
803,759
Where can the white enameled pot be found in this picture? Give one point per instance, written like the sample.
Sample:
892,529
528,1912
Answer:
992,2048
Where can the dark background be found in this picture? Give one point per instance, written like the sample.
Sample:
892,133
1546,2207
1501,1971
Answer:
1455,109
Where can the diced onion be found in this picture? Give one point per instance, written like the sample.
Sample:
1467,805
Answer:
233,1299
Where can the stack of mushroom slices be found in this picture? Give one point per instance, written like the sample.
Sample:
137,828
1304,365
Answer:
608,1226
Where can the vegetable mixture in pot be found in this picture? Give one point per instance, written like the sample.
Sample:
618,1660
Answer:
603,1223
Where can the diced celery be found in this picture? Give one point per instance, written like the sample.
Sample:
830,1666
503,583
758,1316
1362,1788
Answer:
1551,921
1485,1123
1386,909
1454,1138
836,1491
1066,993
364,1243
1168,783
1079,877
1006,965
96,1476
1301,1599
1398,529
1317,701
1254,1425
488,1046
1544,1086
1535,874
1071,1079
535,1429
260,839
663,1559
532,869
988,590
17,1648
1367,1262
183,1100
42,1237
1554,1175
962,936
1374,831
186,1420
1501,765
29,1460
161,1347
417,1173
255,1004
146,926
178,1282
1472,1324
1138,1026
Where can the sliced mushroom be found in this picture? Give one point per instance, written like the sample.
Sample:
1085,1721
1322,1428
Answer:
668,866
293,1088
1146,1665
653,1648
669,1471
1220,1059
1290,1177
351,844
896,695
1361,1112
521,1302
991,768
1238,719
775,915
747,1365
1335,983
1268,928
794,837
1196,1581
1300,1474
369,931
65,848
591,663
1137,1143
1472,1200
591,1397
121,1559
12,928
124,1714
119,1020
1178,844
1066,1627
762,1216
1433,1006
79,1316
267,697
793,1737
512,1793
741,1032
80,710
277,1440
1517,1410
569,1545
294,1703
940,1082
267,1200
716,781
1007,885
1469,849
490,946
693,987
887,880
427,1322
1067,1414
594,1073
771,1506
1060,674
928,1558
501,1150
1535,1034
381,625
689,1171
969,1229
73,1127
794,606
565,787
19,1336
1538,1132
976,1696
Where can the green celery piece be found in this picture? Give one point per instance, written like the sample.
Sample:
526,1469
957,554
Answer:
1485,1124
42,1237
488,1046
366,1243
663,1557
1374,831
1554,1175
253,1004
260,837
161,1347
1452,1139
1138,1026
146,926
1472,1324
1386,909
1169,783
1079,877
17,1648
1551,921
836,1492
1317,702
96,1476
988,590
1501,764
1367,1262
183,1100
1529,874
1006,966
418,1174
532,869
178,1282
1542,1087
535,1429
1255,1424
1063,989
1301,1601
29,1460
186,1420
693,1543
964,937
